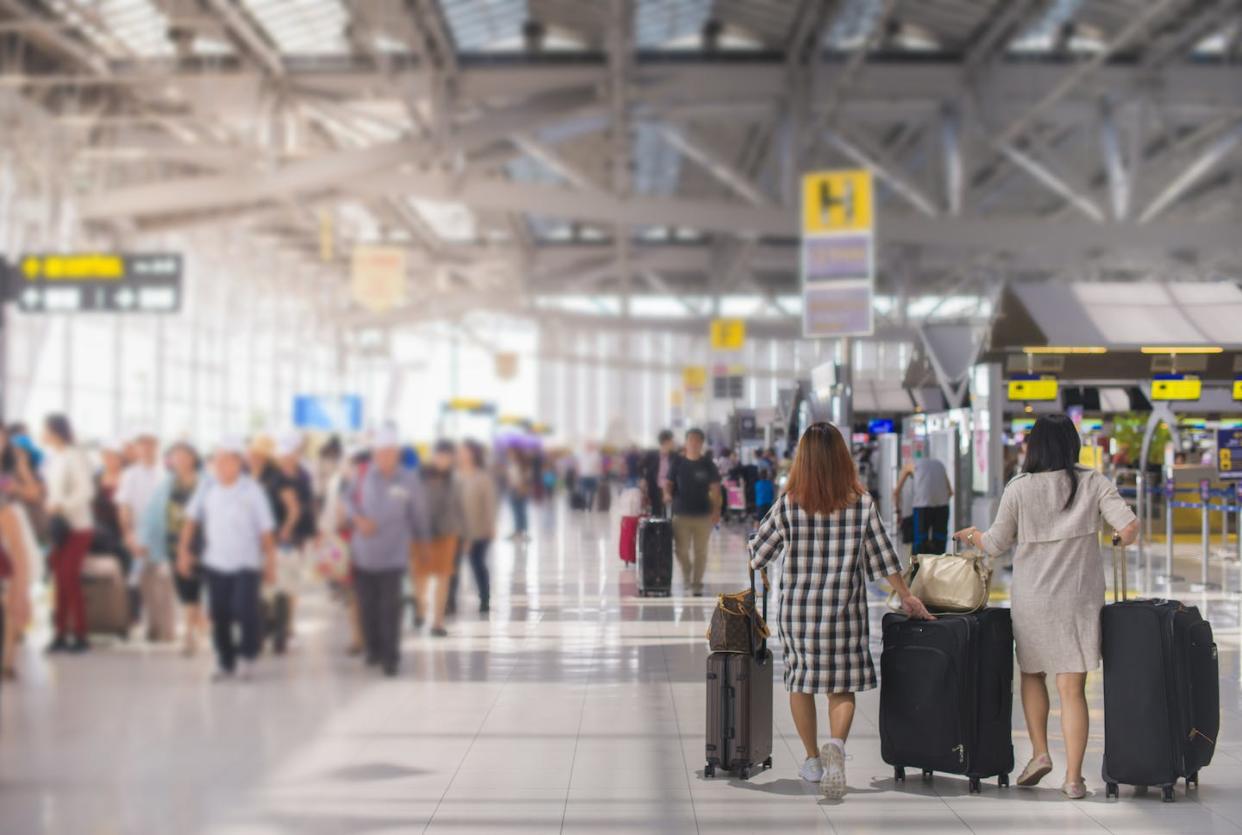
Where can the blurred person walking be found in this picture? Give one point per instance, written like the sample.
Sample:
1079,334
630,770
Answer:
830,532
159,532
292,495
138,484
479,510
653,472
239,553
19,552
931,496
589,469
518,484
70,489
693,489
388,513
445,522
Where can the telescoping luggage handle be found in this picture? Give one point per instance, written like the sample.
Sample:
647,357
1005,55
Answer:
1119,565
763,574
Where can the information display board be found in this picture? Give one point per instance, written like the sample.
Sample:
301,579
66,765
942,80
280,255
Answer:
340,413
94,282
837,253
1229,453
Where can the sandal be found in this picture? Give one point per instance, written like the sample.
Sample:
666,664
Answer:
1075,790
1036,770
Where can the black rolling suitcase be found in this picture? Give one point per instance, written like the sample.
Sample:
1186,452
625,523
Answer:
655,557
739,708
946,695
1161,691
274,621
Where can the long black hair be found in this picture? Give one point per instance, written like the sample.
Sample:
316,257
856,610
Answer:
1052,446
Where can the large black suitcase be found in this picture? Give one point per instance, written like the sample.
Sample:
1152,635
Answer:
1161,692
946,695
739,709
655,557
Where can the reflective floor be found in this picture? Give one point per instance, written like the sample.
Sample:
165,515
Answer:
575,708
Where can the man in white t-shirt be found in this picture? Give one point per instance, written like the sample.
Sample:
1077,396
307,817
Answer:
239,555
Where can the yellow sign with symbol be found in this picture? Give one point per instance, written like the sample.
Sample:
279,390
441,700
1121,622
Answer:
1042,388
1176,387
1237,389
728,334
837,201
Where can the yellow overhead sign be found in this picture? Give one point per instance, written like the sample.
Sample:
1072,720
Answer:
1176,387
85,267
728,334
1038,388
836,201
1237,389
694,377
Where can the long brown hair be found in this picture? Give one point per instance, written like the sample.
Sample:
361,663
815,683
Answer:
823,478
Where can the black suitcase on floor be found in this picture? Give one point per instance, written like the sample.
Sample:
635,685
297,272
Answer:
739,709
1161,692
946,695
654,570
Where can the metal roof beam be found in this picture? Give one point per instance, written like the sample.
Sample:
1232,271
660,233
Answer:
697,149
254,40
883,168
1220,148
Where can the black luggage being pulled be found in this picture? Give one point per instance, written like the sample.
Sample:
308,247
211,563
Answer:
946,695
654,571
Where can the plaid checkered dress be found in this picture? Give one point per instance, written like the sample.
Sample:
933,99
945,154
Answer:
823,622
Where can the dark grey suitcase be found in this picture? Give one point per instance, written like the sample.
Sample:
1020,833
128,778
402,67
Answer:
654,570
1161,691
739,709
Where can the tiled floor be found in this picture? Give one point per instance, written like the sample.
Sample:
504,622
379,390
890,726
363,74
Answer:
575,708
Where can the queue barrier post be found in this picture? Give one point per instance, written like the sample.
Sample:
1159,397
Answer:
1205,509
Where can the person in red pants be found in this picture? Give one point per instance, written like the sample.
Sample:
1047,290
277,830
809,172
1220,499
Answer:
69,492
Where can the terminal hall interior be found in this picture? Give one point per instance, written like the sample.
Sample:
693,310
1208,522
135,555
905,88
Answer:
620,416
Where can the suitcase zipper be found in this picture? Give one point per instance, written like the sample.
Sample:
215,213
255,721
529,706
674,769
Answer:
1196,732
961,753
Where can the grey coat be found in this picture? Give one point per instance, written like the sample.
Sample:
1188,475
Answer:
1058,571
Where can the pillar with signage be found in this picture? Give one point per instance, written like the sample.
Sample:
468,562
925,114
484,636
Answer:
837,262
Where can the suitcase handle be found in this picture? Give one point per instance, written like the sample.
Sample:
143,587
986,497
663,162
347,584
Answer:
763,575
1119,579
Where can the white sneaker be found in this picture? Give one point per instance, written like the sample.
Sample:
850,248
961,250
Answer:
833,783
812,770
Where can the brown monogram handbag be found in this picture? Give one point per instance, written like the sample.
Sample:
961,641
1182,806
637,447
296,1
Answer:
736,625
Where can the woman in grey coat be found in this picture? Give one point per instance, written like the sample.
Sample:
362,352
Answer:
1052,512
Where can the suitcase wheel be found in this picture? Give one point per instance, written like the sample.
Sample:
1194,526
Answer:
1192,781
1003,781
767,763
899,774
976,785
709,771
927,774
1110,790
1168,796
743,773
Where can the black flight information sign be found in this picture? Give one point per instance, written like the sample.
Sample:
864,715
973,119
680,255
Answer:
96,283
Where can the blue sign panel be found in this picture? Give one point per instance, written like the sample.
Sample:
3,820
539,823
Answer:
341,413
880,426
1229,453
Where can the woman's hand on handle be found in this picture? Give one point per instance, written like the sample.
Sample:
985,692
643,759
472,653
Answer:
971,536
914,607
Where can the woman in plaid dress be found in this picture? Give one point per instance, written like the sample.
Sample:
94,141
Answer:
828,528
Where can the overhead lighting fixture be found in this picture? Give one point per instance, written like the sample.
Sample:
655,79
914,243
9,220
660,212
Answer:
1182,349
1065,349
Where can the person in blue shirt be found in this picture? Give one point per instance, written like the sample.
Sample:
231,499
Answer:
388,513
239,554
